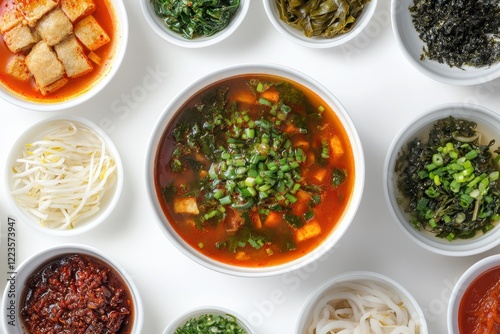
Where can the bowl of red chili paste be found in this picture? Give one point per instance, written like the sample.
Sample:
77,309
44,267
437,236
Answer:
255,170
71,289
474,302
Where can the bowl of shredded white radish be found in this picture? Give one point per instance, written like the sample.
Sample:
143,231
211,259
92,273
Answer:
361,302
64,175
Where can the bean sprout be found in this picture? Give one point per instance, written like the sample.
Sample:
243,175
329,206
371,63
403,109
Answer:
61,179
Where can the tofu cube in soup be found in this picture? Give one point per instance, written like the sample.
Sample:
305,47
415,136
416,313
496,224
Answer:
71,54
43,63
54,26
9,19
16,67
186,205
19,38
90,33
33,10
76,9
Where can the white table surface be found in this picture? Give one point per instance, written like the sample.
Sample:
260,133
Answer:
371,78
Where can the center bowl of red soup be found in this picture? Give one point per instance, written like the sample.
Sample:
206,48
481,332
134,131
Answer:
255,170
475,301
71,289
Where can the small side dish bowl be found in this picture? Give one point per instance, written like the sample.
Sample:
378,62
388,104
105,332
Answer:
488,126
68,185
246,232
158,25
14,296
83,67
471,290
352,286
411,46
297,36
200,312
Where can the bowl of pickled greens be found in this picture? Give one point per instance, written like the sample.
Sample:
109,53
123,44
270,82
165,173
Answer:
441,179
320,24
195,23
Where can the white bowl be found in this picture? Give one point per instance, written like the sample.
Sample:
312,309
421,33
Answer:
13,293
360,277
489,123
181,319
35,132
297,36
411,46
463,283
267,69
110,68
156,23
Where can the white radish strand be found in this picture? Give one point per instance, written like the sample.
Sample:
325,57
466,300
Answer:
361,308
61,179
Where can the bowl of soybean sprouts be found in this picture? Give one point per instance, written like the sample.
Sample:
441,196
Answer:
364,302
64,176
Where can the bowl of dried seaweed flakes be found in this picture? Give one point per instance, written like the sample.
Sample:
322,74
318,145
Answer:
452,41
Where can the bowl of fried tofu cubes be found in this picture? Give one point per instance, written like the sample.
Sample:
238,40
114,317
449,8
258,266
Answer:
55,54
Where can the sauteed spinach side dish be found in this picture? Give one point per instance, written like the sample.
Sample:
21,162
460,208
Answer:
326,18
459,32
195,18
450,183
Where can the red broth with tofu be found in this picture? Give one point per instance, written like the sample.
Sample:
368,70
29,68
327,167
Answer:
71,82
254,171
479,310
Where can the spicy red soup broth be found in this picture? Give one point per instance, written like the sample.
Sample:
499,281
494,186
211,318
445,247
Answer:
105,16
479,310
278,233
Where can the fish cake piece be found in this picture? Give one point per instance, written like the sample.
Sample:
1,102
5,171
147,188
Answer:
43,63
54,26
16,67
53,86
71,54
76,9
90,33
33,10
10,18
20,38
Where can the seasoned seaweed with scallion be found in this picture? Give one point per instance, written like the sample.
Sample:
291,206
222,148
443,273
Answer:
325,18
449,183
458,32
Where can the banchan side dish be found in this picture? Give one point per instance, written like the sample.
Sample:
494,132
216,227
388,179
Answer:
52,51
254,170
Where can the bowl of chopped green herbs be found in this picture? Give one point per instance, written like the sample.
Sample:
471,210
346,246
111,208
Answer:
452,41
195,23
213,319
320,24
441,179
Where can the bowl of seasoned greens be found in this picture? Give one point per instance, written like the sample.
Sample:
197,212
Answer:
320,24
254,170
209,319
196,23
454,42
441,179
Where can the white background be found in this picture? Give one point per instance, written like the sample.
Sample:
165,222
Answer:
370,77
